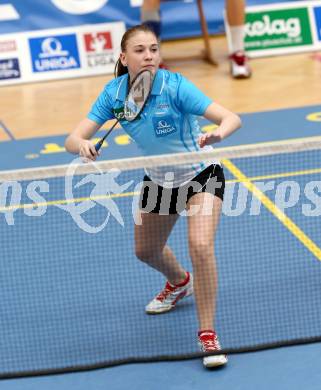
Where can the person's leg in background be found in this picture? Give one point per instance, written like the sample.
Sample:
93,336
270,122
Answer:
235,14
150,15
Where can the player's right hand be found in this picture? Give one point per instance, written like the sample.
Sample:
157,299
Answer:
87,151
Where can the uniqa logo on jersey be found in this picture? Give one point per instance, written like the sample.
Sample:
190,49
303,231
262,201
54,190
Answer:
79,7
54,53
164,126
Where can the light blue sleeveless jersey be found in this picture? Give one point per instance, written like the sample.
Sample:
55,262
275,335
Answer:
168,123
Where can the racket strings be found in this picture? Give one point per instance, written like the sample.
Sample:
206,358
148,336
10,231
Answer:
135,101
138,95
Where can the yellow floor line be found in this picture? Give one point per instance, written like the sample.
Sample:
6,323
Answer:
65,201
286,221
282,174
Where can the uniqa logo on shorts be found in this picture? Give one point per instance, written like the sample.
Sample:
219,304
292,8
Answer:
79,7
290,27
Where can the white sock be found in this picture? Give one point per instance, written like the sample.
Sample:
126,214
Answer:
237,35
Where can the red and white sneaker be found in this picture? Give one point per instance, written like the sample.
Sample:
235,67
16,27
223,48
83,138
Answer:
240,68
208,342
167,299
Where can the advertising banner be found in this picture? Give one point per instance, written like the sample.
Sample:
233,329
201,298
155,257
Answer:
317,18
60,53
282,28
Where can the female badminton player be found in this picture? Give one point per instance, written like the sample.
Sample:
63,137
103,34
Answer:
168,124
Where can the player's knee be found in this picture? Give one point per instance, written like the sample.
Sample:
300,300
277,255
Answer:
144,252
201,248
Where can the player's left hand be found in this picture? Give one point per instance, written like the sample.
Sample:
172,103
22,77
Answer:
209,138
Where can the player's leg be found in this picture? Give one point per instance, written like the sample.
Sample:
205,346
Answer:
202,226
235,14
150,245
150,241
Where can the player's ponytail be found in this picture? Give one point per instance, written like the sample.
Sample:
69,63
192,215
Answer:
120,69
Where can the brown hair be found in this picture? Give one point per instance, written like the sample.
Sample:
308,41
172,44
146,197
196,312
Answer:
120,69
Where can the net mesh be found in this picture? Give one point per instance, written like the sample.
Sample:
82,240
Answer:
74,293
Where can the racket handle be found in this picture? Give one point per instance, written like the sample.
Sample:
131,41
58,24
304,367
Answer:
99,144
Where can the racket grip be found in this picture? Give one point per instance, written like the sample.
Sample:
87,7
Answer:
99,145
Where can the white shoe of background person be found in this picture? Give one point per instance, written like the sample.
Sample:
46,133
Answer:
239,63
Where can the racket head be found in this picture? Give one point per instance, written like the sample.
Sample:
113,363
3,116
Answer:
138,94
